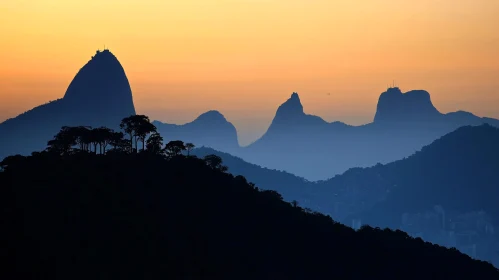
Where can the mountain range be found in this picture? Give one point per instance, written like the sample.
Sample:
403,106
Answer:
456,174
295,142
461,162
403,124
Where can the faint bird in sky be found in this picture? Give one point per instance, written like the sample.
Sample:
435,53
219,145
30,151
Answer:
328,93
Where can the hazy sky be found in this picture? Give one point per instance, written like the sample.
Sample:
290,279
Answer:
246,57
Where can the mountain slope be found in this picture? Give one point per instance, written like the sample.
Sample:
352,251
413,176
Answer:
458,171
136,216
288,185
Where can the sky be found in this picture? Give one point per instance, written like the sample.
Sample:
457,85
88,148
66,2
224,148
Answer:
245,57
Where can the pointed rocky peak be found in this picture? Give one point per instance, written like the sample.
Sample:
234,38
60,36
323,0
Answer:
413,106
291,108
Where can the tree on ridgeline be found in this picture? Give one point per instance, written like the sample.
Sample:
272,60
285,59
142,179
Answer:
63,141
128,126
189,147
93,139
11,161
145,127
104,137
118,142
154,143
174,148
137,127
215,162
82,135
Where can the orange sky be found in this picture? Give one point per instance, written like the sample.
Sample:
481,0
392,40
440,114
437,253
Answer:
245,57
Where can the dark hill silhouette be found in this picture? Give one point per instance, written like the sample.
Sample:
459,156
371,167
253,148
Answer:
404,123
288,185
99,95
457,172
210,129
141,216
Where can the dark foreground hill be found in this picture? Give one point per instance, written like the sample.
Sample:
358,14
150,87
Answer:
141,216
291,187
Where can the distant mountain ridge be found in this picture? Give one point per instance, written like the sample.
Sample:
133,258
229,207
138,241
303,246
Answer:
210,129
100,95
458,171
428,193
403,124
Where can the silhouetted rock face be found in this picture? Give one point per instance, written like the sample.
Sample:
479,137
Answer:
290,116
292,108
100,90
412,106
99,95
210,129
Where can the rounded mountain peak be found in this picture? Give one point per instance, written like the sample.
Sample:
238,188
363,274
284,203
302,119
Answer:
211,116
101,87
395,106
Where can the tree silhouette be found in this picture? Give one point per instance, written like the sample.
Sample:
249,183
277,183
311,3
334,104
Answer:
128,126
145,127
119,144
63,141
189,147
154,143
93,138
137,127
82,135
215,162
11,161
104,137
174,148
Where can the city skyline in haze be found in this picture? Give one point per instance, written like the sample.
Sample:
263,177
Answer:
245,58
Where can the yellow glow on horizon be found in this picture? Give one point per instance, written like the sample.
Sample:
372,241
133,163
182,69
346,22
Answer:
245,57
